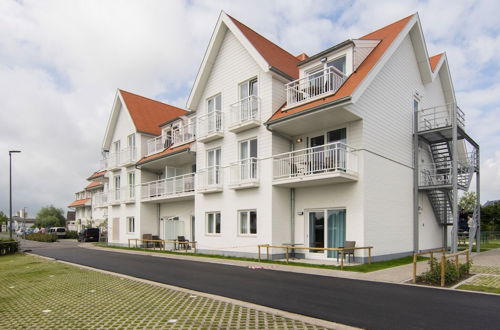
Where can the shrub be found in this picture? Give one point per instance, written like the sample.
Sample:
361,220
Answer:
71,234
8,246
42,237
451,274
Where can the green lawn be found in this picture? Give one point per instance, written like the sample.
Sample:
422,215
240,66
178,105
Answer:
42,294
364,268
494,244
480,288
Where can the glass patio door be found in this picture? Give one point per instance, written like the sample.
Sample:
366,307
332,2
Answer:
326,228
248,108
213,166
248,159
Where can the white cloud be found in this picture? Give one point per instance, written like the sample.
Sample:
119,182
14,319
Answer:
61,62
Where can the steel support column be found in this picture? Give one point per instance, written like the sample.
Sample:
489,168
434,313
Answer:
454,178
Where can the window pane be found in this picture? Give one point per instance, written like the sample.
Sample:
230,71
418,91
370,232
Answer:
217,223
218,105
210,105
253,222
244,150
253,148
253,87
338,63
243,222
244,90
210,223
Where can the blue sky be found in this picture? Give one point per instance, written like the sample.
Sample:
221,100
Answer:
62,61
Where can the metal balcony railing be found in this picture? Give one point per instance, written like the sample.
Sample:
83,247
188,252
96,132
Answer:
155,145
168,187
313,86
328,158
123,157
209,123
184,134
439,117
244,171
100,199
209,178
244,110
115,196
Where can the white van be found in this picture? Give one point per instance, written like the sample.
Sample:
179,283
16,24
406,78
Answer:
59,231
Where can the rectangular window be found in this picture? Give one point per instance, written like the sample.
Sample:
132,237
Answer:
213,166
116,146
131,184
130,225
213,223
117,183
248,159
338,63
214,103
248,222
214,108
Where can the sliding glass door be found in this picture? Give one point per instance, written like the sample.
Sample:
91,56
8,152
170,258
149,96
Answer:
326,228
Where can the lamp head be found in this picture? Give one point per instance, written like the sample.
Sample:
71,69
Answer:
14,151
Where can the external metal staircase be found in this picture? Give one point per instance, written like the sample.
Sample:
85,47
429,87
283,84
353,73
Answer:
441,128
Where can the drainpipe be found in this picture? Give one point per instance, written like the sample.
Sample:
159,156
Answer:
159,219
292,213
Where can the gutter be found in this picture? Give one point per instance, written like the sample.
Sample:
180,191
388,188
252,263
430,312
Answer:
281,73
308,111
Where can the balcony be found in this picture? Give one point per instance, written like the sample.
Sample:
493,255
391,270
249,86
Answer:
440,117
155,145
314,86
210,127
244,174
209,180
124,157
183,134
114,197
326,164
244,114
128,194
176,188
100,199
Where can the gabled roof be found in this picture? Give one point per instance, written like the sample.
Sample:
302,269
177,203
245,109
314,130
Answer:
93,184
386,35
434,60
148,114
267,55
164,153
96,175
80,202
276,56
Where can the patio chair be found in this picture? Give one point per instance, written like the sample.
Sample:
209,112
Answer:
183,243
147,237
348,250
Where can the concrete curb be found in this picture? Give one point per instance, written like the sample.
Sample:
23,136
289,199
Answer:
298,317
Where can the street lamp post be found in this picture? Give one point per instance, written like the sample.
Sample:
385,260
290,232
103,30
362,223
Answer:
10,188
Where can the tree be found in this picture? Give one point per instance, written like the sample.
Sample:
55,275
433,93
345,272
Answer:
468,201
3,219
490,217
50,216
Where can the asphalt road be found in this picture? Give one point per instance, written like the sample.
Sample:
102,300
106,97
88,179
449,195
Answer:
365,304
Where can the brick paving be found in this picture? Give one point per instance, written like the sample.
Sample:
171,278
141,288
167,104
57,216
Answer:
40,294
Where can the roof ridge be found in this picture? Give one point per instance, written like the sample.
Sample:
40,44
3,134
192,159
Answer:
150,99
386,26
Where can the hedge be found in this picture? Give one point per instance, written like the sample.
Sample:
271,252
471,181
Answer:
8,246
41,237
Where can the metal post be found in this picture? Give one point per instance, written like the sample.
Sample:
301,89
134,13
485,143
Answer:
10,190
415,182
443,265
454,163
478,203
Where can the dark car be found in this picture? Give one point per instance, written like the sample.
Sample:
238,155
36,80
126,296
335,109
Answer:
89,235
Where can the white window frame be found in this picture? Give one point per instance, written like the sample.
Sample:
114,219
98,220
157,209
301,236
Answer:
213,231
248,212
131,186
130,220
214,98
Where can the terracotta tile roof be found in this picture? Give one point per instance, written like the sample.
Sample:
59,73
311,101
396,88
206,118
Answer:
386,35
148,114
276,56
79,202
164,153
96,175
93,184
433,60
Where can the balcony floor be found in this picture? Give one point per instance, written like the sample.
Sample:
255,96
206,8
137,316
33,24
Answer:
211,137
317,179
240,127
170,198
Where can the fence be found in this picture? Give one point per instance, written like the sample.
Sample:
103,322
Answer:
290,247
442,264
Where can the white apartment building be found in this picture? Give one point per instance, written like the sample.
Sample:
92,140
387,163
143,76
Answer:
361,142
90,204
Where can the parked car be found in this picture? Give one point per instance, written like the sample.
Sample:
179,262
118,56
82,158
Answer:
89,235
59,231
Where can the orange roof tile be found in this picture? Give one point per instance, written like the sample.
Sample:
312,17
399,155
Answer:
96,175
79,202
433,60
386,35
148,114
93,184
276,56
163,153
